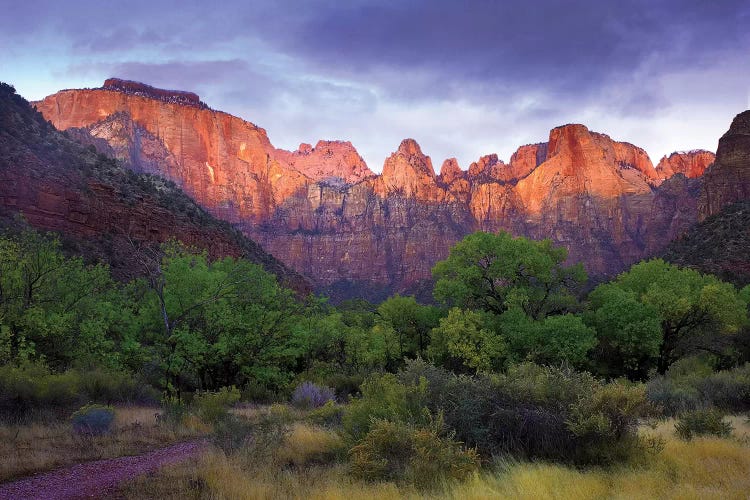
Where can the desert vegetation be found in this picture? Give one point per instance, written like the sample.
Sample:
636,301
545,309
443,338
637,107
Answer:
519,381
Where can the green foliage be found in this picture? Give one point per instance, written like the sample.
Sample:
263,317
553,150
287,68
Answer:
93,419
538,412
629,331
704,422
692,308
214,406
494,272
411,323
394,450
383,397
464,342
328,415
55,309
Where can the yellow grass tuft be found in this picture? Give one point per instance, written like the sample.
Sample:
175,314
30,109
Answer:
308,444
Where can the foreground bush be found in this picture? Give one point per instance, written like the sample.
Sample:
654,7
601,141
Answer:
707,422
212,407
424,456
535,412
385,398
690,384
93,420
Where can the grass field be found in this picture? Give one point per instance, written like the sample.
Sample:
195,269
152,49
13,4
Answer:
305,465
29,448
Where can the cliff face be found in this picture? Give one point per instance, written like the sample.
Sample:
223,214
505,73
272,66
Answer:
691,164
324,213
728,179
96,205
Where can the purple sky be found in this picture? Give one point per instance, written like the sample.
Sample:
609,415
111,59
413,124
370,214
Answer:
464,78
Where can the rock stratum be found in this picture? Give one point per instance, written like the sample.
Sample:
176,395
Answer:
99,208
324,213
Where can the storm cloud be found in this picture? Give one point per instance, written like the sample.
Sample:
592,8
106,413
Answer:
463,78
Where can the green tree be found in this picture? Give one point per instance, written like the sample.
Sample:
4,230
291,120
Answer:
495,272
629,332
55,309
464,342
694,309
217,323
410,322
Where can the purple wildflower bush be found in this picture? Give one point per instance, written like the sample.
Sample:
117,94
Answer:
310,395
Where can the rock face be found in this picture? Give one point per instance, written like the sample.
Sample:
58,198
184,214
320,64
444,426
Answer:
324,213
728,179
99,207
691,164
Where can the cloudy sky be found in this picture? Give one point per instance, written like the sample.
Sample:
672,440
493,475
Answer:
464,78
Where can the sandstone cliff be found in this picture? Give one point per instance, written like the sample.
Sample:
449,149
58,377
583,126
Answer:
324,213
728,179
99,207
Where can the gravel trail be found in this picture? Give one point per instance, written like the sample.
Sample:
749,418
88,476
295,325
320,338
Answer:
96,479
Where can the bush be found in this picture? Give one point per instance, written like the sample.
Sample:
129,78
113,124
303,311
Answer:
345,386
328,415
93,419
708,422
383,397
537,412
212,407
672,397
691,385
309,395
173,412
111,386
307,444
424,456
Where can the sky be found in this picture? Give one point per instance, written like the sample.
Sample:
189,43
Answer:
463,78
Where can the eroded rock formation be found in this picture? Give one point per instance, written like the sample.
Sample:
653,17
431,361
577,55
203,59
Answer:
323,212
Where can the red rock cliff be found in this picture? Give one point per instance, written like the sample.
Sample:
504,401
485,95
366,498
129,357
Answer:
323,212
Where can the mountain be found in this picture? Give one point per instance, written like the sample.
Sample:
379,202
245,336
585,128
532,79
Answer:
728,180
324,213
720,243
100,208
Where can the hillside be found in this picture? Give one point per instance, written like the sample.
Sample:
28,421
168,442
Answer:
718,245
98,207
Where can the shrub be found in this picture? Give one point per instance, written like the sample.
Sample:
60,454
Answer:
383,397
537,412
112,386
213,406
173,412
328,415
707,422
345,386
672,397
691,385
309,395
93,419
424,456
232,433
605,423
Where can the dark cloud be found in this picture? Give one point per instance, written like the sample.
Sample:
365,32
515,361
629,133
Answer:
467,77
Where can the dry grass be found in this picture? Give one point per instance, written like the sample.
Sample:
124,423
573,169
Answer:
307,444
30,448
703,468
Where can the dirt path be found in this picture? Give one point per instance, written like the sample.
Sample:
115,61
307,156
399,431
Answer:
96,479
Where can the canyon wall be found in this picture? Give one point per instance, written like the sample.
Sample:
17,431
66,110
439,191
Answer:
323,212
